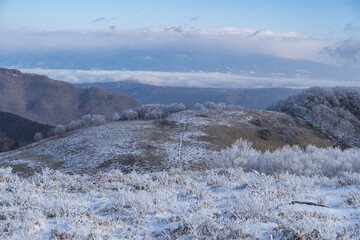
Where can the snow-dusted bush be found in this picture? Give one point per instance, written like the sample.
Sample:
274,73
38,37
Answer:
213,106
59,130
308,161
115,117
335,111
155,113
129,114
151,111
173,108
210,105
76,124
86,120
38,137
94,119
199,106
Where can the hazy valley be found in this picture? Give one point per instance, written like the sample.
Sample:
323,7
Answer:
253,98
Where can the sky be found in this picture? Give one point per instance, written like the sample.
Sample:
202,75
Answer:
312,38
327,18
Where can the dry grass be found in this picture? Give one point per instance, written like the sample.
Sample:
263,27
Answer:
284,131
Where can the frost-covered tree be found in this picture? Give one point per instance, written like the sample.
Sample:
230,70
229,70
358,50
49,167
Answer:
335,111
210,105
173,108
129,114
97,119
86,120
214,106
152,111
76,124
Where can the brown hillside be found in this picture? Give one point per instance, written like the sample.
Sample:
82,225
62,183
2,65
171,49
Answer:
16,131
42,99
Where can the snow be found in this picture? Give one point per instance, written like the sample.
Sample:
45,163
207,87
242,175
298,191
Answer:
228,203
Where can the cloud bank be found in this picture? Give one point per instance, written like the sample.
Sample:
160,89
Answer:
190,79
185,56
347,51
235,40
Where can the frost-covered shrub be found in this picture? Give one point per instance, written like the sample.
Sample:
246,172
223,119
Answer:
94,119
214,106
38,137
129,114
86,120
152,111
210,105
239,154
155,113
115,117
76,124
173,108
308,161
59,130
149,111
199,106
335,111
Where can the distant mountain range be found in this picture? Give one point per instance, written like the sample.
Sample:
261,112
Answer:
256,98
44,100
16,131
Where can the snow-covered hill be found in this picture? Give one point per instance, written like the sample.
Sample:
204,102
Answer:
194,179
184,139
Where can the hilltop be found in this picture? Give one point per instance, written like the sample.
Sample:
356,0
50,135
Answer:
185,138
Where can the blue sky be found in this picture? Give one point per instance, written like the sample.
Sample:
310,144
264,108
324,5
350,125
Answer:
326,18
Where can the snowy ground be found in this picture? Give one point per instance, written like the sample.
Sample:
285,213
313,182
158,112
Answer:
223,203
240,193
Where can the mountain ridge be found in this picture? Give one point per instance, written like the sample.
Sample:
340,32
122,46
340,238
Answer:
44,100
150,94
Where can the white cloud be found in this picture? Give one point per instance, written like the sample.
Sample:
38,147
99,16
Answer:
191,79
144,58
103,19
348,51
234,40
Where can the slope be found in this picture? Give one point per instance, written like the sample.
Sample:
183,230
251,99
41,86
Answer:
16,131
184,139
44,100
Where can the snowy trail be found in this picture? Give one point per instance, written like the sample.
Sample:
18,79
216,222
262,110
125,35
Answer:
180,145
